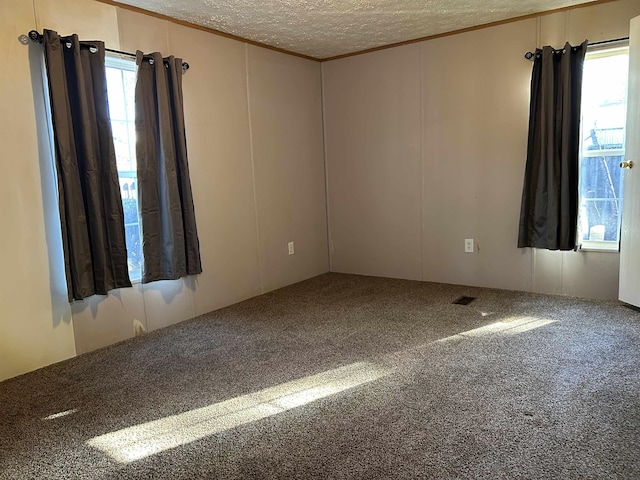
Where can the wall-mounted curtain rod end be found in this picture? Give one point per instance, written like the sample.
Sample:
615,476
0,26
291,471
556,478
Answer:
185,67
529,55
35,36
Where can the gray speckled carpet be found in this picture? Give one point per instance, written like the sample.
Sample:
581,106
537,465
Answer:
344,376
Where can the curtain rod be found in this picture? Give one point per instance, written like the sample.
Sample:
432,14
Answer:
530,55
37,37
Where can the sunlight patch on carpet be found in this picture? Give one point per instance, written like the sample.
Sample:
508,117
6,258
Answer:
140,441
508,326
53,416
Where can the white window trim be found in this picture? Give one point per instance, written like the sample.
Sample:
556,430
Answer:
122,63
593,53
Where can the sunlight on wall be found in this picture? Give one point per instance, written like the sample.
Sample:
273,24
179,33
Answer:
140,441
508,326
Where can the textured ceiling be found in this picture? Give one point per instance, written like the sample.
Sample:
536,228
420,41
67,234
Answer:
327,28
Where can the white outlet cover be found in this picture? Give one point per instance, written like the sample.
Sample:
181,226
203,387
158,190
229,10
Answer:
468,245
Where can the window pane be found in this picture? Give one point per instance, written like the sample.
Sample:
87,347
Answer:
129,82
116,94
604,101
121,78
124,154
134,244
131,135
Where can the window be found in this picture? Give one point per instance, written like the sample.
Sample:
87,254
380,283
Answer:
121,81
604,105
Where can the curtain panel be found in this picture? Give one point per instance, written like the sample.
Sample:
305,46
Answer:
91,212
549,209
170,238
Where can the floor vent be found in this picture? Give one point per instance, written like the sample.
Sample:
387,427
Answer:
464,300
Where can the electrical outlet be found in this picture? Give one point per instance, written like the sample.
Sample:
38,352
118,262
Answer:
291,248
468,245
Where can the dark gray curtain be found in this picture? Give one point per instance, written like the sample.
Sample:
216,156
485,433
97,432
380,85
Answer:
170,238
91,211
549,210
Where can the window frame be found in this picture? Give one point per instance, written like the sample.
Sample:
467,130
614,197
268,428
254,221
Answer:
602,51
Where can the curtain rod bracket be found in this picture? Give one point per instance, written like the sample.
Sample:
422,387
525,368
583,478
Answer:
35,36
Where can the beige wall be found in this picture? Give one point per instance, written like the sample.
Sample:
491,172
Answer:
254,133
426,145
285,104
372,130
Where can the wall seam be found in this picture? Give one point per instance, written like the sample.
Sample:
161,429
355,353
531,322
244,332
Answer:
533,269
326,169
167,37
253,169
36,20
562,289
562,254
533,250
422,159
190,280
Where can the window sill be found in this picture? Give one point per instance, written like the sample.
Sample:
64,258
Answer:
604,247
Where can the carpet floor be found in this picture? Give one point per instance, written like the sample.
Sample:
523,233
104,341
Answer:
344,376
